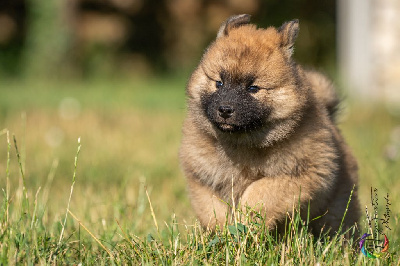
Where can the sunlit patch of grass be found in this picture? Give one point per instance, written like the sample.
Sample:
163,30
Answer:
369,129
91,238
130,132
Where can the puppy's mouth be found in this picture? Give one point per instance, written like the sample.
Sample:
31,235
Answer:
226,127
233,128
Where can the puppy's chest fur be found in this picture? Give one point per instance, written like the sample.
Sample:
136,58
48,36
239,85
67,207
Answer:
228,171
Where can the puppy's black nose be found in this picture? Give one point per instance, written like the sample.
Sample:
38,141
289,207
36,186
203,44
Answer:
225,111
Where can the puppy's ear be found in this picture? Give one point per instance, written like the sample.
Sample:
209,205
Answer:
289,32
233,22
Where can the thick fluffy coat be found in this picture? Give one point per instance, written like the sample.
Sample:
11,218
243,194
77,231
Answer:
260,132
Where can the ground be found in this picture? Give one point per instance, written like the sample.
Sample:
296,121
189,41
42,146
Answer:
129,134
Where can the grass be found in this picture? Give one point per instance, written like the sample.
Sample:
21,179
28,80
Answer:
123,200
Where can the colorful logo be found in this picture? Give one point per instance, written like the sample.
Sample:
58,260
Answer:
384,248
376,225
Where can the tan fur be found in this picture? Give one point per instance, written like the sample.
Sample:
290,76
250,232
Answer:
298,153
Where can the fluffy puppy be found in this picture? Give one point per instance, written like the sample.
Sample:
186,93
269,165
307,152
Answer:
260,132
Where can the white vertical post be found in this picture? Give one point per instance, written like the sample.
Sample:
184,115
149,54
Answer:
386,48
355,47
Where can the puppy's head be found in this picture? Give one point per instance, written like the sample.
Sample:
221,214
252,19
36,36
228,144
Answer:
247,88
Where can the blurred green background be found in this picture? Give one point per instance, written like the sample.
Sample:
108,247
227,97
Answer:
113,72
86,38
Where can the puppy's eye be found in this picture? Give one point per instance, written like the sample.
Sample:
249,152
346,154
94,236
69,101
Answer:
253,89
219,84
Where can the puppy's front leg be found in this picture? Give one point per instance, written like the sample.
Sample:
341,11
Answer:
208,207
274,197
